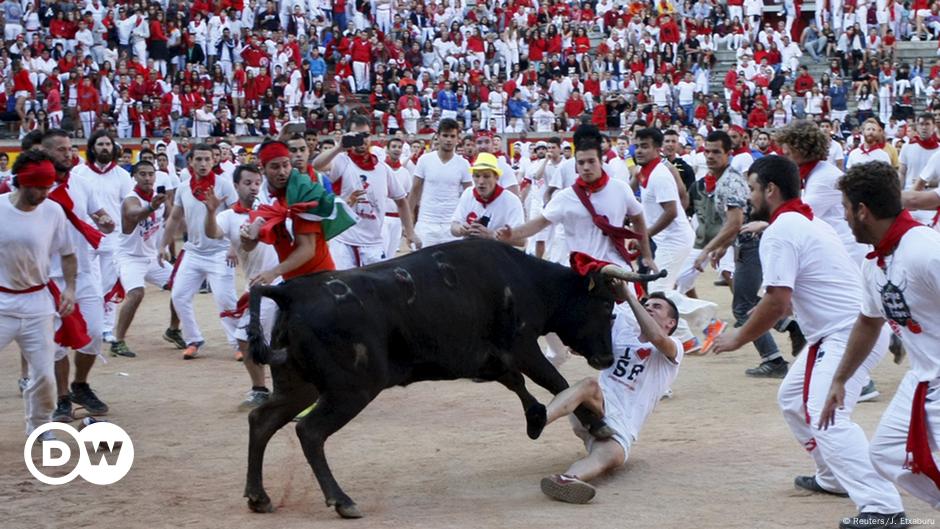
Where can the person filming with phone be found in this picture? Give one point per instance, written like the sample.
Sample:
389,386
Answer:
486,206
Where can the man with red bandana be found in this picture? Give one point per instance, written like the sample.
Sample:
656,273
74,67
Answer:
806,266
35,230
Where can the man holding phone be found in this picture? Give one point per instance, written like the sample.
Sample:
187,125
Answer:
486,206
365,184
142,215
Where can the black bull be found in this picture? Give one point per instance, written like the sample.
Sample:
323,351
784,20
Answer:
467,309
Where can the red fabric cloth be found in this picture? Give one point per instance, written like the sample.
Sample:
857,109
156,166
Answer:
930,143
808,375
240,307
201,186
584,264
366,162
711,181
794,204
618,235
885,247
806,169
498,190
647,170
918,458
60,195
73,331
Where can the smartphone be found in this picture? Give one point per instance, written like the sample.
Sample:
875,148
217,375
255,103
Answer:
353,141
161,190
484,221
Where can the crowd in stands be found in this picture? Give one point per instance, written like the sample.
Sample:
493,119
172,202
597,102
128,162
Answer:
253,67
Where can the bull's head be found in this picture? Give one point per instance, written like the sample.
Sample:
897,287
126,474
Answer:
586,320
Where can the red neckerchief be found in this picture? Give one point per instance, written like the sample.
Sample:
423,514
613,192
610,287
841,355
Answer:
795,205
94,167
414,159
874,148
201,187
807,168
711,181
366,162
60,195
595,186
218,169
918,458
646,170
741,150
240,209
149,198
498,190
394,164
611,155
885,247
929,144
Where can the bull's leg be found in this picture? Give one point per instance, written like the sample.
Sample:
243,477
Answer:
333,411
291,395
533,364
535,415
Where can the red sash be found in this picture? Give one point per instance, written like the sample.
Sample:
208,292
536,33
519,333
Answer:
918,458
808,375
618,235
73,332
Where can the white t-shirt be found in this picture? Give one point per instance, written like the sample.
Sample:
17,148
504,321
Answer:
506,210
615,201
915,158
686,92
84,203
443,185
379,185
660,94
405,179
823,195
859,157
144,241
836,154
808,258
742,162
661,188
29,239
110,188
262,258
931,171
641,374
544,120
908,291
508,178
195,213
565,175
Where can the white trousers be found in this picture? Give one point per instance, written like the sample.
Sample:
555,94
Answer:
391,234
268,317
193,270
670,257
361,73
432,233
108,274
841,453
346,256
888,445
34,336
88,296
88,121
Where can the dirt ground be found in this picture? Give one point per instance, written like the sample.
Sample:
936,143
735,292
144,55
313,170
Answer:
441,454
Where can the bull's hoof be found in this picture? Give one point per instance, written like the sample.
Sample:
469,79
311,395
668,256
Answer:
535,418
260,503
602,431
349,510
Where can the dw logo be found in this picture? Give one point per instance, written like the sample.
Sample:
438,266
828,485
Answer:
106,453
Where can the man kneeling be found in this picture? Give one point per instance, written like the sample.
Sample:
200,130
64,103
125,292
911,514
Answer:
624,394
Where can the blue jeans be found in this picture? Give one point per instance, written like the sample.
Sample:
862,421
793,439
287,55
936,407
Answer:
747,280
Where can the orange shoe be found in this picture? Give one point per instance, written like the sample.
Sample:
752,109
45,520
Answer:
192,350
239,356
712,332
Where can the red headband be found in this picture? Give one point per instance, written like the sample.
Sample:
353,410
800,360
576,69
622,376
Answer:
37,174
484,134
739,129
273,150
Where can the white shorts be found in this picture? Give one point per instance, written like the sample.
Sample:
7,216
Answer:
923,13
685,281
432,233
624,440
20,93
136,272
346,256
268,316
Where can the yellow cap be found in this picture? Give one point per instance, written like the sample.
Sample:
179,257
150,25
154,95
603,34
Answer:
486,162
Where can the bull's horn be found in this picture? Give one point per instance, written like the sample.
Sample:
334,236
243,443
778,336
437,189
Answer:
619,273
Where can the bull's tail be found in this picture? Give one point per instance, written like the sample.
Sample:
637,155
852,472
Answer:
257,346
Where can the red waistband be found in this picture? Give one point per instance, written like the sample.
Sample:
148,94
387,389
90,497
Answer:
29,290
393,215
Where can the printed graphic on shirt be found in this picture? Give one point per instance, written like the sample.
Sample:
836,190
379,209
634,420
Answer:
627,369
896,308
365,207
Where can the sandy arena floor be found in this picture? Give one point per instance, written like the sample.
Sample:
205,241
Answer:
432,455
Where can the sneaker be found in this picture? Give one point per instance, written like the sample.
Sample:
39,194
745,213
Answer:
712,332
666,395
175,337
254,399
23,383
692,346
108,336
869,392
239,356
120,348
82,395
205,288
874,519
769,369
568,489
63,410
797,340
809,483
192,350
897,349
720,282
